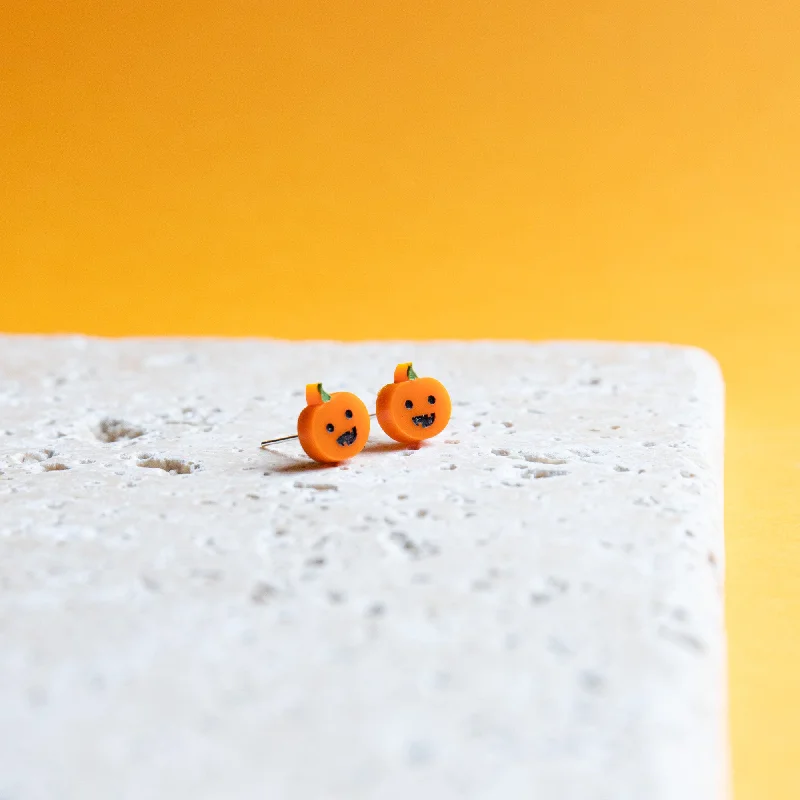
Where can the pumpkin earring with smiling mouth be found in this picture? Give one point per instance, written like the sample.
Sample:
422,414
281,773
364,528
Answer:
332,427
412,408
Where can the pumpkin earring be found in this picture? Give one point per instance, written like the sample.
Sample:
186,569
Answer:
332,427
412,408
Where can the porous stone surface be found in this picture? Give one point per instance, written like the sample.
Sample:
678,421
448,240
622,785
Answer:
528,606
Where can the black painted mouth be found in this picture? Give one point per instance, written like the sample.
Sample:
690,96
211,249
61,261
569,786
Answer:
347,438
424,420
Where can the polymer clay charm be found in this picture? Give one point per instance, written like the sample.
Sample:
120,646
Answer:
332,427
412,408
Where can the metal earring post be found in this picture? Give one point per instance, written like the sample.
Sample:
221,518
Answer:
280,439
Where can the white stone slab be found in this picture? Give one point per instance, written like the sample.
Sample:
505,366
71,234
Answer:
529,606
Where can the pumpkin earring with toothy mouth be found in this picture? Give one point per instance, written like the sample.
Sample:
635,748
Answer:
332,427
412,408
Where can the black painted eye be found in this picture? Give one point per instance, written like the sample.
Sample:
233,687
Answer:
329,428
409,404
348,413
431,399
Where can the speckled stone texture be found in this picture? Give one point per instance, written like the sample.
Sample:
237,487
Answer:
528,606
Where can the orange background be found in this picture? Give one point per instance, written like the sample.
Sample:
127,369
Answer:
626,170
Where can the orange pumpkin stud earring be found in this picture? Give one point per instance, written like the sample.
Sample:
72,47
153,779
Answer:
332,427
412,408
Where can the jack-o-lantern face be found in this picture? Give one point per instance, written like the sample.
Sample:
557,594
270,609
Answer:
332,427
412,409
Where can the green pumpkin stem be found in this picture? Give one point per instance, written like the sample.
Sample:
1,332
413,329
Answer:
412,376
323,394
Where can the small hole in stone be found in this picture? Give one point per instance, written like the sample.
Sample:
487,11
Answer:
174,466
54,467
544,459
112,430
548,473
